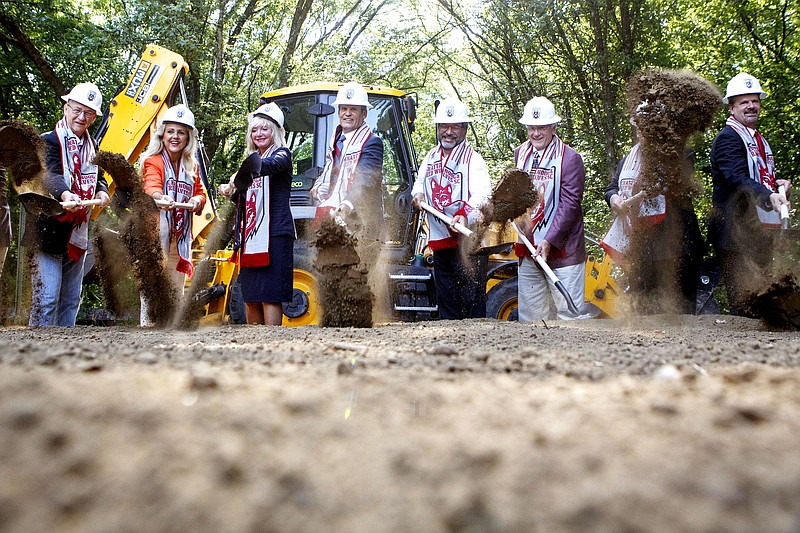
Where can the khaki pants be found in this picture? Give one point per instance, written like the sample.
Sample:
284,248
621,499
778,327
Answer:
538,297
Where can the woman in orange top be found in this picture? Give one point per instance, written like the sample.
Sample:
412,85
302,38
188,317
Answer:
170,175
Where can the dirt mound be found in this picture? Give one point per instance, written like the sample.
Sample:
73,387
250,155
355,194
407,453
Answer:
778,305
344,291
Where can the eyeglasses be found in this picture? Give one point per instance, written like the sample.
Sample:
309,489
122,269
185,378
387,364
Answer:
88,114
453,127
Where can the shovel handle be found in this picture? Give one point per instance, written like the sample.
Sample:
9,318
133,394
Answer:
179,205
462,229
547,270
70,204
784,209
628,201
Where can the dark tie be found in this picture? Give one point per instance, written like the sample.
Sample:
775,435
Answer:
535,163
337,159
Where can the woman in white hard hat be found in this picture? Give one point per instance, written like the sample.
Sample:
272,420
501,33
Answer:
264,230
170,175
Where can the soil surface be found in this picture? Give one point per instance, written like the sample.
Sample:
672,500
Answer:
648,424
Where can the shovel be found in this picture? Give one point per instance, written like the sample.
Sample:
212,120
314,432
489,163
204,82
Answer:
486,248
163,204
547,270
36,203
462,229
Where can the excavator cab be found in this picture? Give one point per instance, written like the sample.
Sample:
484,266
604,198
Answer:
310,120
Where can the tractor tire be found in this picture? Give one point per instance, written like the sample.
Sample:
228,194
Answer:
236,307
501,300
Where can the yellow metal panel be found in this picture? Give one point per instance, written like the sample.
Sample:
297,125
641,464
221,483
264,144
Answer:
324,86
137,106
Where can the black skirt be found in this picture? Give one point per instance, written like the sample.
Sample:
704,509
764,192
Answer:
271,283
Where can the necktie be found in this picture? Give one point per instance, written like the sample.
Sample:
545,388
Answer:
535,163
337,158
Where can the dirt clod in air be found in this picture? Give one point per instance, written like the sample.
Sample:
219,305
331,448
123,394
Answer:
139,234
112,266
343,285
22,153
667,107
512,196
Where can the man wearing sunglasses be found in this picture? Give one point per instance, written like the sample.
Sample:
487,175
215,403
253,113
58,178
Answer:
61,241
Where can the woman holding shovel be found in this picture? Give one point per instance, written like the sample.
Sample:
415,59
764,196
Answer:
171,176
264,230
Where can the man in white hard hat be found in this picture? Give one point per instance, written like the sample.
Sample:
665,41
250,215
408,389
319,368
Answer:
351,179
61,241
745,201
453,179
555,225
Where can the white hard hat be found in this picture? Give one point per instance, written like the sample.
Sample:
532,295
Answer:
743,83
179,114
271,112
452,111
539,111
86,94
352,94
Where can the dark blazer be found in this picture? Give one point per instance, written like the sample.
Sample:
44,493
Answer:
366,191
734,221
278,167
49,233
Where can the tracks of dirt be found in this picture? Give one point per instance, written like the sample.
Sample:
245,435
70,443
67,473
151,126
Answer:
654,424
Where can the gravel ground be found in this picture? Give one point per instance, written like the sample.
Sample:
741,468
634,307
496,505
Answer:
647,424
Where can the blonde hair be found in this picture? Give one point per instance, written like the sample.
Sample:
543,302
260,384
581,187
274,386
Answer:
156,146
278,133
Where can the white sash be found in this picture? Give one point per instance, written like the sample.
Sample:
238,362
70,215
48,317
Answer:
761,171
546,181
80,176
651,210
255,230
351,153
446,186
177,223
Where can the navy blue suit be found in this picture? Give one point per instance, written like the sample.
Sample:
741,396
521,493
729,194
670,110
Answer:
742,245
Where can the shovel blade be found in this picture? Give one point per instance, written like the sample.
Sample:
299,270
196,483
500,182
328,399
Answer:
36,204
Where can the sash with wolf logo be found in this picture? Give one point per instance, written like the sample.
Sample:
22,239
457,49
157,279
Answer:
177,224
446,187
336,182
252,221
761,166
80,175
651,211
546,181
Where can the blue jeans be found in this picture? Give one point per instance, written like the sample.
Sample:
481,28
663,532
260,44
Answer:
56,289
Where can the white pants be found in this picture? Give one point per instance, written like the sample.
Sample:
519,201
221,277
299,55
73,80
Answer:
178,280
538,297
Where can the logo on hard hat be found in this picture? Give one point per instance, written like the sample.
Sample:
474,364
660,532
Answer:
748,83
91,96
536,113
450,110
349,94
180,113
